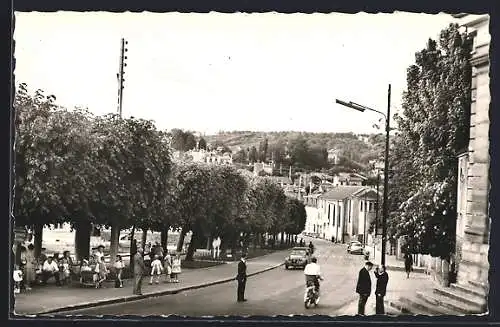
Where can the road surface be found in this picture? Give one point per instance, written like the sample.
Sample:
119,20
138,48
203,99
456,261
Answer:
276,292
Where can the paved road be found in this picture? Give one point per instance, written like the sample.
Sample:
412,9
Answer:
277,292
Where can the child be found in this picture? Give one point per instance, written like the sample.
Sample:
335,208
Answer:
176,268
156,270
85,266
18,278
66,274
118,265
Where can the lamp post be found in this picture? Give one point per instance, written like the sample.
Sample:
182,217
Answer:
387,117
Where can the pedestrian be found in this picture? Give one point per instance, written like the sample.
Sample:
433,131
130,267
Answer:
364,286
408,264
101,270
139,269
50,269
18,279
380,289
241,277
118,265
30,267
167,263
156,270
176,268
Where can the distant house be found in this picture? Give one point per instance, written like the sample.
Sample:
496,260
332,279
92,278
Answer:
344,213
334,156
346,179
283,181
209,157
262,166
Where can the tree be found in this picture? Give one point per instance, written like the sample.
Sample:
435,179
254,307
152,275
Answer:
252,156
50,187
432,128
202,144
240,156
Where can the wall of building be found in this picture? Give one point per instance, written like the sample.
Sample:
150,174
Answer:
474,264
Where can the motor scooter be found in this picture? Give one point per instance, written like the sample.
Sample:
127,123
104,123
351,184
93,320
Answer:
311,295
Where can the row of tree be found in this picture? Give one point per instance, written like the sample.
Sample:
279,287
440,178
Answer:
433,128
71,166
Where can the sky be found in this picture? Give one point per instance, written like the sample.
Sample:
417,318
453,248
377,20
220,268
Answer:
223,72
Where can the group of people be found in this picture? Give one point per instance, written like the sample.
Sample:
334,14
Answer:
32,270
162,263
312,273
364,287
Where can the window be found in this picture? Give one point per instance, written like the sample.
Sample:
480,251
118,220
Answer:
361,206
328,213
370,206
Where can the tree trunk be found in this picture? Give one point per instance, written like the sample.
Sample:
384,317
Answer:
133,246
114,241
164,238
180,243
38,234
144,237
82,239
209,243
445,275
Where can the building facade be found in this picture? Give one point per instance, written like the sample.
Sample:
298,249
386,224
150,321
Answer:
473,220
342,214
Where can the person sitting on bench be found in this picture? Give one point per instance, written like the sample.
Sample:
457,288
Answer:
50,269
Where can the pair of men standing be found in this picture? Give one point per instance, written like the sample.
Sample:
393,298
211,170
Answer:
364,287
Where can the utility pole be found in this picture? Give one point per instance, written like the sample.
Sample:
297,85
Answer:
121,72
386,176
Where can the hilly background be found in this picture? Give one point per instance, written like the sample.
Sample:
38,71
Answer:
304,150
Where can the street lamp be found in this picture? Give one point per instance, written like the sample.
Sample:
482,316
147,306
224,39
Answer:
387,117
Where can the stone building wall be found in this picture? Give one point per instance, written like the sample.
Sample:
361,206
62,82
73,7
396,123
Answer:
474,263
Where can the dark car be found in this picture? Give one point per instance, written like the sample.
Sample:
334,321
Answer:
299,257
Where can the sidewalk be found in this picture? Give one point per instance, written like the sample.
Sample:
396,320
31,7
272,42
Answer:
397,287
391,263
51,299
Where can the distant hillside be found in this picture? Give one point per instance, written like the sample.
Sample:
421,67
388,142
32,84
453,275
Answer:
357,148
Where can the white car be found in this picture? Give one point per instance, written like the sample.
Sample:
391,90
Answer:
355,247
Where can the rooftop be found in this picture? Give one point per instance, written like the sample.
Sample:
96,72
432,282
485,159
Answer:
341,192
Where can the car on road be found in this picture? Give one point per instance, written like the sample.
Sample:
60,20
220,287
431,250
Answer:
355,247
299,257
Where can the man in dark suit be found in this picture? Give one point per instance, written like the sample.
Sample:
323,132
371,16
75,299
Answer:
364,286
242,278
139,269
380,289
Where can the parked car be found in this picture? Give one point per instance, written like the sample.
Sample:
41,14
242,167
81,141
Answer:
355,247
299,257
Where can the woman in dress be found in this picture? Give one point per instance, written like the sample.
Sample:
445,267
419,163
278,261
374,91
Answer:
31,265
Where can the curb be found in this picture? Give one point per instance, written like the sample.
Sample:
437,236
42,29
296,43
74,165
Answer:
418,270
145,296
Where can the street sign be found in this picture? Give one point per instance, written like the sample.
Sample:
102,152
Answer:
20,234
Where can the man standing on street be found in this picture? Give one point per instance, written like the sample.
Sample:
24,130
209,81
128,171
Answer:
364,286
380,289
139,270
242,278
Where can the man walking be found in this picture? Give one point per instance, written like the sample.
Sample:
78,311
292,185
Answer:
364,286
139,269
242,278
380,289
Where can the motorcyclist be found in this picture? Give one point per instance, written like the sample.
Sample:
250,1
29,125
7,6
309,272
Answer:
312,272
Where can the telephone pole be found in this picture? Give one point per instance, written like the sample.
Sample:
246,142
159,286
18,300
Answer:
121,72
